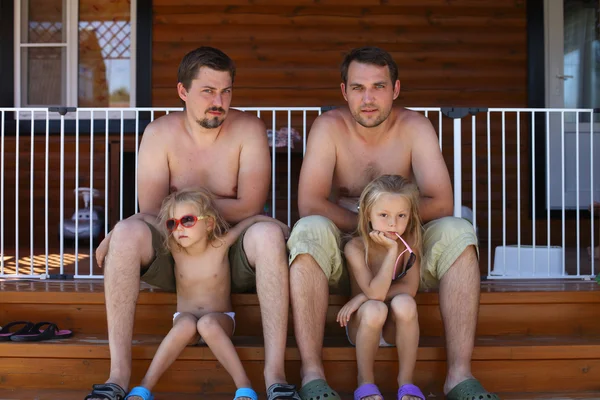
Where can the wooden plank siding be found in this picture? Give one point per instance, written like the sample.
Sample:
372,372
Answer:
449,53
288,53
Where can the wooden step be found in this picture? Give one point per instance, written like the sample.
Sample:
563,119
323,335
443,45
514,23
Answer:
503,364
58,394
507,308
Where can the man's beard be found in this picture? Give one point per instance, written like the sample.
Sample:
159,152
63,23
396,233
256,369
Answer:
371,123
212,123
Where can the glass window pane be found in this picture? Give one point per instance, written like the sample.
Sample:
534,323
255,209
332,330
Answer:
42,21
581,55
104,53
44,74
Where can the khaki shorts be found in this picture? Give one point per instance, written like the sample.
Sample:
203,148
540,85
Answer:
444,240
161,272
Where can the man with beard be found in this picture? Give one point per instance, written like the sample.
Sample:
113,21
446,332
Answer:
226,151
347,148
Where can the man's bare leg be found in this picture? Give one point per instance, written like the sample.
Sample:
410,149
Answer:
309,294
130,247
264,245
459,305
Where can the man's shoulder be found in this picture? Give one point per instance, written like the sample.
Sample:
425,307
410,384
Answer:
335,116
248,119
243,125
411,123
410,118
331,123
168,123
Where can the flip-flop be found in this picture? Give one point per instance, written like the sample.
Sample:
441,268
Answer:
107,391
318,389
366,390
470,389
410,390
5,332
140,391
246,392
36,334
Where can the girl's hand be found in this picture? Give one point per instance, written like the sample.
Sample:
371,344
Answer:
379,238
349,308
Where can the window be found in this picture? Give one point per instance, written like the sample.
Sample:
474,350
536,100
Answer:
75,53
572,36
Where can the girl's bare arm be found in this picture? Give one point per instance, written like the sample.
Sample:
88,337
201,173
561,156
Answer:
375,287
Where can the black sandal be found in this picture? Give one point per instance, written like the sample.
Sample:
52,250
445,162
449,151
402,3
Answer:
282,391
107,391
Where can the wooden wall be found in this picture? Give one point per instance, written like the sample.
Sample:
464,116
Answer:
449,53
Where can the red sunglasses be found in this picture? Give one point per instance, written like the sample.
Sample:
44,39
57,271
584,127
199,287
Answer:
187,221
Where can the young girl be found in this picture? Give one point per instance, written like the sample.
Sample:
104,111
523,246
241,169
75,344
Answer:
199,241
383,260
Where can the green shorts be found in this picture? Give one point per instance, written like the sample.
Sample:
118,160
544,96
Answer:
444,240
161,272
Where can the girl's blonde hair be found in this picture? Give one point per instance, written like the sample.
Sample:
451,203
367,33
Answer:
203,201
394,184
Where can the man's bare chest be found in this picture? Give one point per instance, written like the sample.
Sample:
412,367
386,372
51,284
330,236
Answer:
217,171
355,169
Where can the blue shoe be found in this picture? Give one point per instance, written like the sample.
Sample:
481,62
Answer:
245,392
140,391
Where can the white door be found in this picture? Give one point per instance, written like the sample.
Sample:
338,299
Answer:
573,81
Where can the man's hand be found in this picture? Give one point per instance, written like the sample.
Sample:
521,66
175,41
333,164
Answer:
102,250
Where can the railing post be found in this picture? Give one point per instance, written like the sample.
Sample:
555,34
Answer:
457,113
62,111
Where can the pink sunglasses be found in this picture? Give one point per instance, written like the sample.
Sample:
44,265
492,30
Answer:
409,264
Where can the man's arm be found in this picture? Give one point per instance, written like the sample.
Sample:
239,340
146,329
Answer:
316,177
430,171
153,171
254,174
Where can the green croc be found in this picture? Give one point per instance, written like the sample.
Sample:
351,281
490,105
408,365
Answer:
318,390
470,389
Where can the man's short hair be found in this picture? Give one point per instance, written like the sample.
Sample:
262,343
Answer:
369,55
203,57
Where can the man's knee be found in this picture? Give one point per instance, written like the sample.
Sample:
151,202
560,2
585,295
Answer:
130,232
263,240
314,244
131,237
304,265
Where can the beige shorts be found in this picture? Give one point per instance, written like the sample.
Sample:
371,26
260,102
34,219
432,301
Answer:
444,240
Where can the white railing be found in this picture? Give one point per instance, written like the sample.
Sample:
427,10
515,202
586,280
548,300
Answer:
501,195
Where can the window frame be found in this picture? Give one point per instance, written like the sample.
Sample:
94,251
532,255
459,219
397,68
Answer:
71,9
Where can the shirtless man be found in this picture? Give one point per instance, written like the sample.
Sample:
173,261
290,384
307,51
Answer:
227,152
347,148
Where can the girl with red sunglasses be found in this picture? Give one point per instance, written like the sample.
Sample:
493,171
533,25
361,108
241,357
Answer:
383,260
199,239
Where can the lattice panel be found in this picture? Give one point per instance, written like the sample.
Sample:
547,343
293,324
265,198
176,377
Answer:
113,37
45,32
